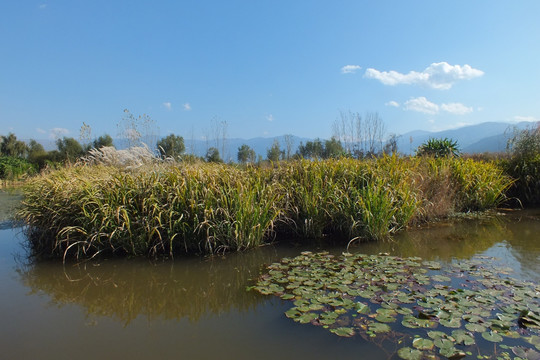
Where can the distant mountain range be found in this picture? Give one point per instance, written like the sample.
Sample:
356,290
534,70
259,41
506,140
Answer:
484,137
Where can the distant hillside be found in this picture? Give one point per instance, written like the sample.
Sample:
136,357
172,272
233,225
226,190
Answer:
485,137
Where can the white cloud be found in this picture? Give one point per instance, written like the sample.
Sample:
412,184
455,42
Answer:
270,117
421,104
350,69
392,103
187,107
42,6
57,133
525,118
456,108
439,76
167,105
41,131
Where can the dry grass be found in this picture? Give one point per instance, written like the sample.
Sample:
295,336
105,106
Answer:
151,208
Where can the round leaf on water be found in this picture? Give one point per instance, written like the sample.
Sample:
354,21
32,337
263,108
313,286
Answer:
306,318
343,331
362,308
408,353
475,327
378,327
287,296
525,353
534,340
413,323
422,344
436,334
384,318
463,337
492,336
451,323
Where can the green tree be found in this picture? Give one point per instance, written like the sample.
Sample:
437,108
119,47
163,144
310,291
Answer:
439,148
246,154
312,150
212,155
171,146
274,153
69,149
37,154
104,140
333,148
12,147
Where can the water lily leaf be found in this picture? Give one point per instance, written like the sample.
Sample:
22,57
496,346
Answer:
292,313
404,311
385,318
525,353
362,308
433,265
408,353
378,327
443,343
492,336
436,334
343,331
452,353
451,323
288,296
423,344
475,327
306,318
413,323
534,340
463,337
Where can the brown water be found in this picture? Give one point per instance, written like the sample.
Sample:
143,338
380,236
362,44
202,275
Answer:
199,308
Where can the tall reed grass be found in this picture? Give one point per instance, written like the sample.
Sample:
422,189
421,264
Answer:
172,208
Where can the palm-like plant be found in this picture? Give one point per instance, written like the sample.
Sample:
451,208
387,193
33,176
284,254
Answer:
439,148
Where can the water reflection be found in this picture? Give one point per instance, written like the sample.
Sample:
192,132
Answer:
458,239
124,289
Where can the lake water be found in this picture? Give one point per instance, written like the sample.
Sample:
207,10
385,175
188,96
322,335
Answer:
198,308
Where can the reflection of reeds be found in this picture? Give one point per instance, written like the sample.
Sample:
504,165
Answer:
198,208
190,289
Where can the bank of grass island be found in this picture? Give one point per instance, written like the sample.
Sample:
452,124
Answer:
137,202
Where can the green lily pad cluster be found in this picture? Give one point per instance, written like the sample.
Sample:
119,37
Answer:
467,308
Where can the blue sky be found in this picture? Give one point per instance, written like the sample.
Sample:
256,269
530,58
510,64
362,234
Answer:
266,68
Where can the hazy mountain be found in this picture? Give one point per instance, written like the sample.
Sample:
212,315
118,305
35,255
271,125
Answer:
489,136
485,137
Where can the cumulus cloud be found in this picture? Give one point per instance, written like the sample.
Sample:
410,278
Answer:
270,117
187,107
441,76
167,105
41,131
350,69
456,108
421,104
392,103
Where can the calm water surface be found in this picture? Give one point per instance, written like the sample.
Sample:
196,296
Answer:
199,308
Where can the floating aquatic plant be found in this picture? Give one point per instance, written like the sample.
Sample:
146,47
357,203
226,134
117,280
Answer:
428,309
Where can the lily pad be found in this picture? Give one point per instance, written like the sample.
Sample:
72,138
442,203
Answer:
408,353
343,331
492,336
423,344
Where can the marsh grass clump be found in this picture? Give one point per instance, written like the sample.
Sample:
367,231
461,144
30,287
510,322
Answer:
168,208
